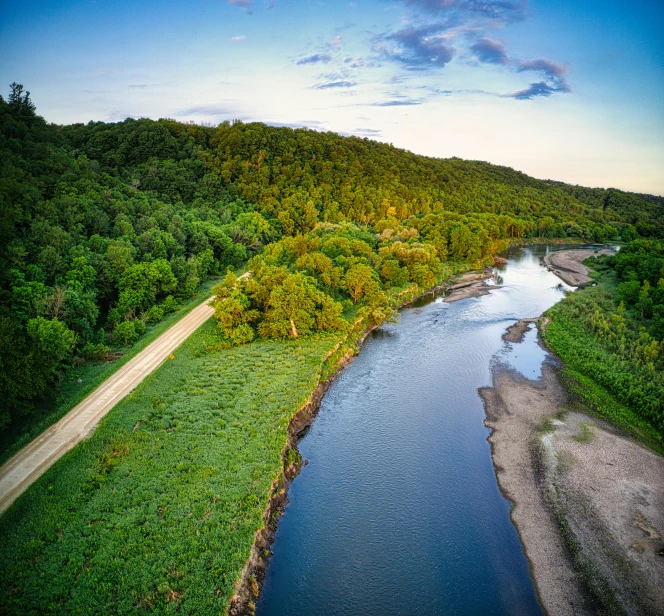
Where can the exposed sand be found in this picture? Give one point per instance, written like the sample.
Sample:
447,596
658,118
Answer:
515,408
564,469
470,284
568,264
516,332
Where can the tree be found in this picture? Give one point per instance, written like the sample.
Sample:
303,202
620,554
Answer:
53,342
296,307
19,101
360,281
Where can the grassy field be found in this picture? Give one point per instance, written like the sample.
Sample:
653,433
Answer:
91,374
156,511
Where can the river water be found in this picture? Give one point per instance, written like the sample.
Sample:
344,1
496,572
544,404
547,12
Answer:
398,510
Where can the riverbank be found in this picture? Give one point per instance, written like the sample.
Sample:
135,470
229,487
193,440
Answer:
568,265
563,469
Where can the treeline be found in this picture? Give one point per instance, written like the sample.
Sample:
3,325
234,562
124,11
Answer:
105,227
613,335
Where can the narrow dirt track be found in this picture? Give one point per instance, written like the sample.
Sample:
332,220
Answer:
33,460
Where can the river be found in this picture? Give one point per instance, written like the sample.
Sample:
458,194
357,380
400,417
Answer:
398,510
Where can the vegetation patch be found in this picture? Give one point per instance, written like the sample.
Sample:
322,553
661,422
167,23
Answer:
157,510
610,338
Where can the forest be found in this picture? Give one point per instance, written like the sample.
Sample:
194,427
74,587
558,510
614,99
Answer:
107,228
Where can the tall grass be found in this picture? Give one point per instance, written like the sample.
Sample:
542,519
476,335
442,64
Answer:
157,510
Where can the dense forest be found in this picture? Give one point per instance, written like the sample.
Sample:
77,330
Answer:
611,338
106,227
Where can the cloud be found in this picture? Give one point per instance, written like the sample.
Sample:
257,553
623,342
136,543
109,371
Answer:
554,72
335,84
243,4
315,59
549,68
336,42
502,11
207,110
368,131
541,88
418,47
138,86
241,37
490,51
397,103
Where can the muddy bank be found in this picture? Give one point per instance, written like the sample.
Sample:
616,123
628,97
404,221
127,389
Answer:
563,469
516,332
568,264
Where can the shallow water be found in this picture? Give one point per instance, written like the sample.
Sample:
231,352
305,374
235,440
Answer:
398,510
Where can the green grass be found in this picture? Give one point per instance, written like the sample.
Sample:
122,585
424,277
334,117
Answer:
92,374
156,512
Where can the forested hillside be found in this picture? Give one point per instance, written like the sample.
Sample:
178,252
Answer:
105,227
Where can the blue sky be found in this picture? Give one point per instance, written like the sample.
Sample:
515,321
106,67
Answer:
560,89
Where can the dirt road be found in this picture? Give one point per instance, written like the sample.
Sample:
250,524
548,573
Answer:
568,264
29,463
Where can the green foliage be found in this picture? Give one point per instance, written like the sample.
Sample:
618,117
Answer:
613,346
101,223
157,510
126,332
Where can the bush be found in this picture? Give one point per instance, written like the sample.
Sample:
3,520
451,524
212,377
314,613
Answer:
125,333
98,352
154,315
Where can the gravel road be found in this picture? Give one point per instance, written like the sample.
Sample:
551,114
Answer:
33,460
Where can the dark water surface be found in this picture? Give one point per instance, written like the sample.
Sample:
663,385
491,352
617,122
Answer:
398,510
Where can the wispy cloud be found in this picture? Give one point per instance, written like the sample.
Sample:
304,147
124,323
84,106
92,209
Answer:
207,110
243,4
138,86
501,11
555,73
490,51
549,68
315,59
241,37
335,43
335,84
534,90
397,103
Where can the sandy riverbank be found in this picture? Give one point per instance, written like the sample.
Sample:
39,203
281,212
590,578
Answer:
564,469
471,284
568,264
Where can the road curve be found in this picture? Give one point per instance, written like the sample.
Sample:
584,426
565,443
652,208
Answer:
33,460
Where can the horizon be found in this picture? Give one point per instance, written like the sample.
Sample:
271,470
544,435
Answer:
558,91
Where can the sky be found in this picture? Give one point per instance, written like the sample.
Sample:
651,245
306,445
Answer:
560,89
